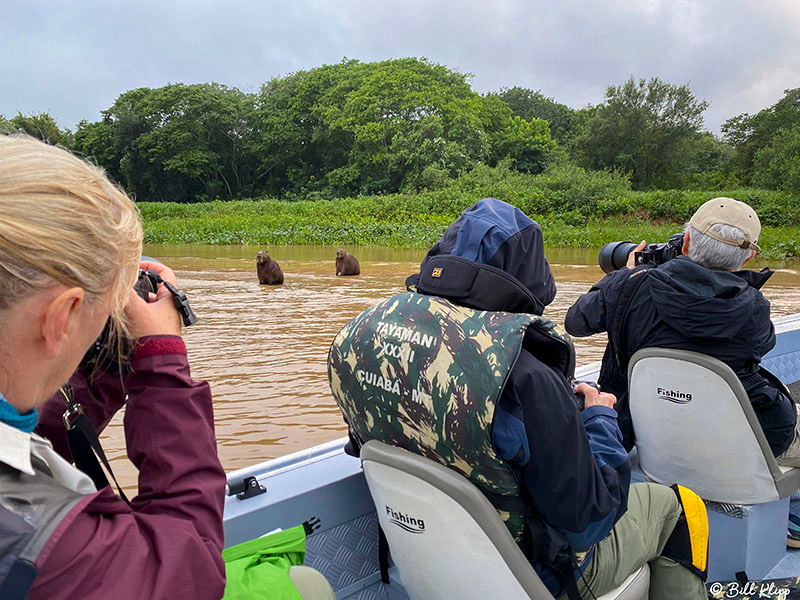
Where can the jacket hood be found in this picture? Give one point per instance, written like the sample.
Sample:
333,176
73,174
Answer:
502,237
702,303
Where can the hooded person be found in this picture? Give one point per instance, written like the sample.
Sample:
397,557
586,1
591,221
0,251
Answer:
464,370
494,255
699,301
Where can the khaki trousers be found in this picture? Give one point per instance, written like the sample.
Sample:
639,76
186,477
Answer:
311,584
791,456
638,538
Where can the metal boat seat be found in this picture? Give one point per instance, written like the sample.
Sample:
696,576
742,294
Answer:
447,540
695,426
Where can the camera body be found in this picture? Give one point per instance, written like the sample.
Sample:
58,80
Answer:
102,353
580,400
658,254
146,283
614,255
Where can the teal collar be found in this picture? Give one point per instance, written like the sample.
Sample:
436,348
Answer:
10,416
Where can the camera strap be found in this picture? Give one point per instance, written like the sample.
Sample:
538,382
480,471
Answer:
179,299
84,444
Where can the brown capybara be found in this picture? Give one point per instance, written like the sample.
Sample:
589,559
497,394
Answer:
346,264
269,272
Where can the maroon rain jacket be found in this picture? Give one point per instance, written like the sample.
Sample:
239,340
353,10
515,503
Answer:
168,543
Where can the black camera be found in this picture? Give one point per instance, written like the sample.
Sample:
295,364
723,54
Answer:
103,355
580,400
614,255
146,283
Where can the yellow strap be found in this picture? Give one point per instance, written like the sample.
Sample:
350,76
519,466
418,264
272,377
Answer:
697,522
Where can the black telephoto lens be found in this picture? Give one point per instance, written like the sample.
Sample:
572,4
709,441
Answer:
614,255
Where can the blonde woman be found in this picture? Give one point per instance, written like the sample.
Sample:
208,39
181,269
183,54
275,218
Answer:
70,244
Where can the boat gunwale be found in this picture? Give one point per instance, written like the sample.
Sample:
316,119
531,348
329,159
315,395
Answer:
327,450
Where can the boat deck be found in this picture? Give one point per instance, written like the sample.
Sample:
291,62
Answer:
348,557
326,483
345,549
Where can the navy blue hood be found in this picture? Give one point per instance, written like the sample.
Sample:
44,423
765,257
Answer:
491,258
705,304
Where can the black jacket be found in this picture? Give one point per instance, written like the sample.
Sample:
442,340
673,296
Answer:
570,463
683,305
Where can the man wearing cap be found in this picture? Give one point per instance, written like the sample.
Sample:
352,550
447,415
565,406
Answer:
699,301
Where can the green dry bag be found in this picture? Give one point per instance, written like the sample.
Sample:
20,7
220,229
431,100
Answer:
259,569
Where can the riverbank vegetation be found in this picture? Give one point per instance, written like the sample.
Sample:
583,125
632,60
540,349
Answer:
576,208
390,152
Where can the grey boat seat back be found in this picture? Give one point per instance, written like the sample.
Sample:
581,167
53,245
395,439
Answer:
695,426
447,540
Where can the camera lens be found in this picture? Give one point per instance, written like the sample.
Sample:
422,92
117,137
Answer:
614,255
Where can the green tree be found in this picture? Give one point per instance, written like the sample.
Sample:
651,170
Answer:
179,142
527,145
96,141
117,135
338,129
381,127
708,164
644,128
298,141
530,104
405,115
777,165
332,131
750,134
40,125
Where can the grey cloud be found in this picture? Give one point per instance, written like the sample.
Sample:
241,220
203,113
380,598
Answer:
73,61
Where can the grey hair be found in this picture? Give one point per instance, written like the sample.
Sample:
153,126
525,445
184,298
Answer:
713,254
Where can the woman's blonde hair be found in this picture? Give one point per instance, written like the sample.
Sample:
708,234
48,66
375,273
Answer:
63,222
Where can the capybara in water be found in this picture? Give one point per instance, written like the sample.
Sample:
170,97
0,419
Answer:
268,270
346,264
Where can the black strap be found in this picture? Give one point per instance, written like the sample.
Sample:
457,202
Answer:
311,524
85,448
383,555
635,279
562,567
84,444
570,583
474,285
503,502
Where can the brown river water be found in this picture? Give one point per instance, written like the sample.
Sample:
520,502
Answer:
263,349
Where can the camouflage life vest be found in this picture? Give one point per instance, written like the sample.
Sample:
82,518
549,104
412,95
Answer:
424,374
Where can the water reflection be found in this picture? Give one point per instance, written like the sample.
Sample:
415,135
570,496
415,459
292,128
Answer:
263,349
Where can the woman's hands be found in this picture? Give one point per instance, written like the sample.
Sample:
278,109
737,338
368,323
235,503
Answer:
158,316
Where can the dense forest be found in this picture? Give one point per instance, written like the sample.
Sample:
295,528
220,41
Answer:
412,126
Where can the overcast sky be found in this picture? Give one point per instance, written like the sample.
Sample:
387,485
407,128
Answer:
72,59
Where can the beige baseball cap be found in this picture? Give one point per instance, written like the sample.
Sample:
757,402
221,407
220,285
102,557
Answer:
728,211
